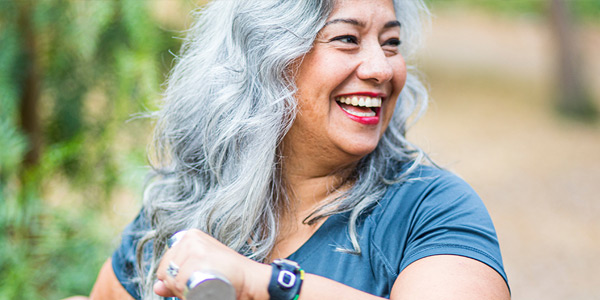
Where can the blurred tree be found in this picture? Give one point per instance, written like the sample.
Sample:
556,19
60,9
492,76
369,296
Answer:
71,73
30,90
573,98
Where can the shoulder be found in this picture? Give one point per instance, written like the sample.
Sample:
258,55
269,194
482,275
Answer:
424,192
425,177
428,187
433,212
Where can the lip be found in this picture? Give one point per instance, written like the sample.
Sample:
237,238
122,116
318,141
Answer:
369,94
363,120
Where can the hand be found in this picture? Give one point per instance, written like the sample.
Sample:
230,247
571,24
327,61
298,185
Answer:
197,251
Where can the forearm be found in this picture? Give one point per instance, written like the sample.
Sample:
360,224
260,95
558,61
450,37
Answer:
108,286
434,277
313,287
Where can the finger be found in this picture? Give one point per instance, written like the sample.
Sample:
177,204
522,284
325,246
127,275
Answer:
172,279
172,271
161,272
180,257
167,283
161,289
178,285
170,256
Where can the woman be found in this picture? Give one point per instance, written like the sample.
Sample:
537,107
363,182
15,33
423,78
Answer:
283,136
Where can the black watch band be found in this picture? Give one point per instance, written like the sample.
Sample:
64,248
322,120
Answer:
286,280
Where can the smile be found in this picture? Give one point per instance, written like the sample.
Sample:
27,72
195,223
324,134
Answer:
360,108
361,101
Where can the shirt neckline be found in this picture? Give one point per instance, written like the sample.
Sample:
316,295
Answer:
315,241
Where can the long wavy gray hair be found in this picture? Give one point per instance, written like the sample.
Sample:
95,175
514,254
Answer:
229,101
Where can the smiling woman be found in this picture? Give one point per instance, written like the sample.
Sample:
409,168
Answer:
282,135
354,66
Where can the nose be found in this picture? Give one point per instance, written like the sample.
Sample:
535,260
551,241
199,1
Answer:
375,65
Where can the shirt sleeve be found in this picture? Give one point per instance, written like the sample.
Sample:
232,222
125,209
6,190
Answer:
124,258
437,213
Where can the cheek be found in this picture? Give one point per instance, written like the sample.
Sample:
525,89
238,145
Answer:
400,77
398,83
389,112
326,69
400,73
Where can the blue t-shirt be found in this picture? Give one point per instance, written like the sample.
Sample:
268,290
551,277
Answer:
432,213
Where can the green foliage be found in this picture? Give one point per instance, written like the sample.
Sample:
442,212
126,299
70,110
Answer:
587,10
10,139
60,256
96,63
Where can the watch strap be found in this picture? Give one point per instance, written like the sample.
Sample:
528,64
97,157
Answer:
286,280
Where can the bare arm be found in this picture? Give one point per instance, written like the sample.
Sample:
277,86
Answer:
445,277
449,277
107,285
435,277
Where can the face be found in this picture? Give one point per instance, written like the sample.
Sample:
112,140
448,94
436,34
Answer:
349,82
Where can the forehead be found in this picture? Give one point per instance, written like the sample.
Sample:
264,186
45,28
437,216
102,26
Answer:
364,14
363,9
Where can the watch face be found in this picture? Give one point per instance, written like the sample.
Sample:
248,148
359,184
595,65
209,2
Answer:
286,279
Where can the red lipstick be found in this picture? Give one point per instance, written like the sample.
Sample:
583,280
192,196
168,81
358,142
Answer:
358,113
366,120
370,94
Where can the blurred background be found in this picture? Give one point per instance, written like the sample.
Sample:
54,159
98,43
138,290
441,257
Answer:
515,89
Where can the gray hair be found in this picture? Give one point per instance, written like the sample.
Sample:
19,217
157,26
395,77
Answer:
228,103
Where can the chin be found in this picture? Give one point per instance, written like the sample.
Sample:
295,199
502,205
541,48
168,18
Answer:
359,151
356,145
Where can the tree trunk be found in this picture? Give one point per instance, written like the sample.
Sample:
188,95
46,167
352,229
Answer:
30,88
572,98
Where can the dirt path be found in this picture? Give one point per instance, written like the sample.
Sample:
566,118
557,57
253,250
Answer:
493,123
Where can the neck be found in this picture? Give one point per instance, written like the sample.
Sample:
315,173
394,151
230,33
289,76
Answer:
310,184
313,173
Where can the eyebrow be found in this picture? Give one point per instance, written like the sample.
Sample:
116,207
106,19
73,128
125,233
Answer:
391,24
355,22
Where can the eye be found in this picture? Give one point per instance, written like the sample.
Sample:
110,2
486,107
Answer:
393,42
348,39
392,45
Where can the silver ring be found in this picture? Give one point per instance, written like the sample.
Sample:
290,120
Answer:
172,269
175,238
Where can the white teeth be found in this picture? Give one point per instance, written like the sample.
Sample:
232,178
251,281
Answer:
361,101
360,114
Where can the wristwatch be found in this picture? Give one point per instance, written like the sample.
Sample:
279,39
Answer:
286,280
